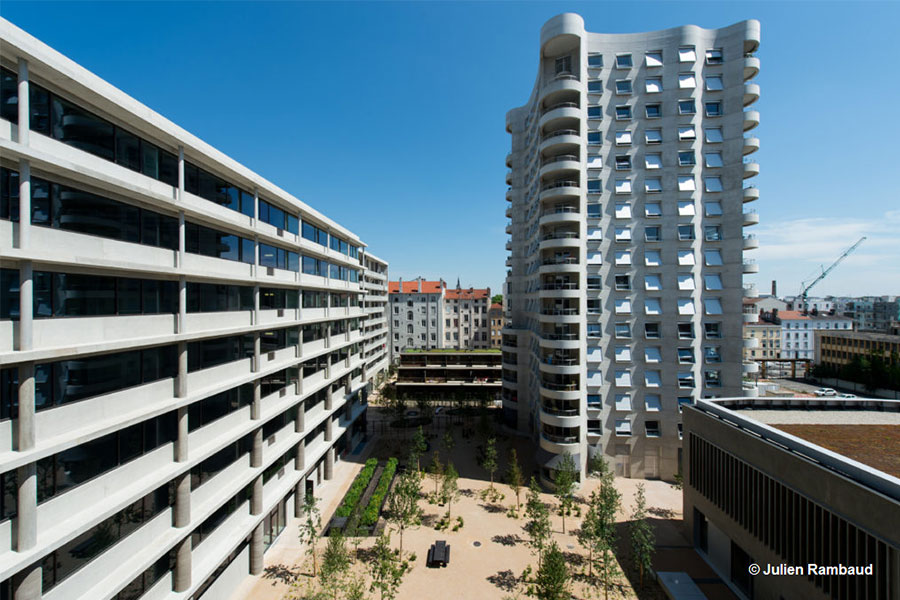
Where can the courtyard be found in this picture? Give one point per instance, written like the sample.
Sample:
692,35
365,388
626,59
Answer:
489,551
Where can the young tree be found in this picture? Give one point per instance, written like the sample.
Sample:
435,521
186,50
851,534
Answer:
450,486
566,476
590,535
310,524
417,447
490,459
552,580
642,539
436,470
335,565
608,504
538,525
403,503
386,571
514,476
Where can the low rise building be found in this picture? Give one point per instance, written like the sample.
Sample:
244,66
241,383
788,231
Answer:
797,330
838,348
495,315
781,493
416,315
449,375
762,340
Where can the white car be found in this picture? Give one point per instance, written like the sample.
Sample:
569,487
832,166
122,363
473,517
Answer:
848,396
825,392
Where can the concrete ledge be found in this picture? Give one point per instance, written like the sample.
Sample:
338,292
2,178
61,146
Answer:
678,585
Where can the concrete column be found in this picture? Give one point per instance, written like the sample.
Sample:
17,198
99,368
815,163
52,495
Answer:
26,508
299,497
26,584
24,100
255,205
300,420
329,391
182,575
329,428
300,457
254,318
256,449
182,304
256,407
256,498
329,464
257,347
24,204
181,379
255,269
181,443
183,500
25,420
180,173
181,240
256,550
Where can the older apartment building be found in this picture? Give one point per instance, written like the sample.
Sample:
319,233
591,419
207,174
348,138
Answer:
184,346
427,315
626,220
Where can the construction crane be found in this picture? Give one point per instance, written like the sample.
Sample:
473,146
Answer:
805,288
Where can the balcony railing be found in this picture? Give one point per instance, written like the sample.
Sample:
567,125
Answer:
560,336
560,235
558,133
560,439
562,412
569,260
560,210
559,286
560,158
559,361
559,387
559,311
560,105
560,184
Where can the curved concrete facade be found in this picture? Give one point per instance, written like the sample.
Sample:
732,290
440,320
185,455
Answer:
626,194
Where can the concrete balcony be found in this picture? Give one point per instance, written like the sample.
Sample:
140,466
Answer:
751,169
749,390
559,444
560,366
565,111
560,418
564,164
750,318
560,341
751,217
509,158
751,144
509,176
751,93
561,189
748,368
750,290
751,119
562,141
560,214
751,194
750,242
751,67
750,266
560,240
509,227
564,82
750,343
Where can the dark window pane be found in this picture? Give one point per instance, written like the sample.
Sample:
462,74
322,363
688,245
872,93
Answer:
149,228
81,295
131,442
248,251
268,256
150,296
191,179
247,203
293,224
9,194
40,201
39,103
168,232
168,168
43,294
149,160
75,126
207,186
129,296
231,196
128,150
9,96
158,363
9,294
293,261
83,212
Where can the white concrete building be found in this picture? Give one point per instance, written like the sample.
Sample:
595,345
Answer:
627,209
184,346
426,315
797,337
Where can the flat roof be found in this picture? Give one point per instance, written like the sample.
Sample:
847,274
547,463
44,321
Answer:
877,446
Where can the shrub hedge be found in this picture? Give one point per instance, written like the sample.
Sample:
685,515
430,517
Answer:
370,515
357,488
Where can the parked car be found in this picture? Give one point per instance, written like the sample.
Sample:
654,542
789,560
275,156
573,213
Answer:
848,396
825,392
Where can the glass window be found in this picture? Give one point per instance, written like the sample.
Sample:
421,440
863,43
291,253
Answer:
713,209
714,56
76,127
595,86
685,209
654,111
653,136
595,60
595,138
128,150
687,54
713,109
623,87
653,85
623,113
595,112
686,133
623,330
652,354
687,80
712,282
714,83
713,159
686,107
652,185
654,59
623,61
651,331
623,138
714,135
712,184
653,209
623,162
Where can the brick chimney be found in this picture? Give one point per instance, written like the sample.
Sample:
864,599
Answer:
419,281
774,295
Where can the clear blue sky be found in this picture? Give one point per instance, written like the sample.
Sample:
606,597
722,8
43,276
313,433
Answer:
389,117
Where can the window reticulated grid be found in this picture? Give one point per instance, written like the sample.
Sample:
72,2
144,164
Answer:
799,530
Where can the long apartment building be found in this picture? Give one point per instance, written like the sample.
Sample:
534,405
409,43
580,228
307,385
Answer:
627,206
427,315
184,346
